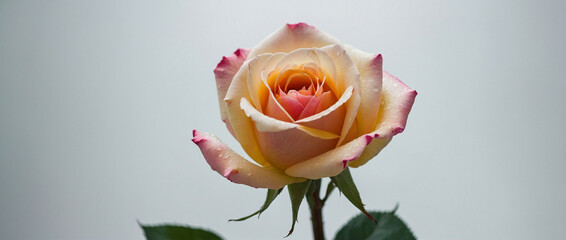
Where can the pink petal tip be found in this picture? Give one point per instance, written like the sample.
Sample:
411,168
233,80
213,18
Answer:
197,139
346,161
297,25
378,58
413,92
227,61
241,52
369,138
397,130
221,64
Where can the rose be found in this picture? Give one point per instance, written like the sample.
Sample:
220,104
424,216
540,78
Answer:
303,106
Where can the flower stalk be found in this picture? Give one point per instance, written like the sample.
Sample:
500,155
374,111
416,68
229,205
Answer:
316,204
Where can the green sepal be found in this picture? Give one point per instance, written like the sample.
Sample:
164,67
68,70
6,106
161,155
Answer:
271,195
176,232
389,227
297,192
345,184
329,190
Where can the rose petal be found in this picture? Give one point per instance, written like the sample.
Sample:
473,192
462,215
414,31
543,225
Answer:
285,143
319,57
370,151
291,105
349,77
326,100
235,168
313,104
291,37
370,68
265,123
241,124
331,163
303,96
286,148
328,58
396,103
353,133
332,118
260,93
275,110
308,56
399,98
224,72
259,68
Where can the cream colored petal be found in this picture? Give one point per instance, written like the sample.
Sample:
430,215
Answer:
259,69
353,133
224,73
370,151
262,122
237,169
370,68
314,56
241,124
291,37
396,102
347,76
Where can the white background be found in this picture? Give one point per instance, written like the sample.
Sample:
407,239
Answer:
98,99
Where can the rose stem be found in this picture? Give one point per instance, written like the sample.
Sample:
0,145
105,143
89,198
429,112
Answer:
316,209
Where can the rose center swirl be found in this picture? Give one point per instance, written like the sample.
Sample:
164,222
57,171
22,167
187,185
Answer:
301,91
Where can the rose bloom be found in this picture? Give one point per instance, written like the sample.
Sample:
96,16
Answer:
303,105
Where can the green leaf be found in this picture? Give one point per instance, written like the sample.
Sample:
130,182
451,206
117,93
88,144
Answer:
271,195
175,232
345,184
389,227
297,192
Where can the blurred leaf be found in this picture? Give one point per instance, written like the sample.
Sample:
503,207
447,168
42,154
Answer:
175,232
345,184
297,192
271,195
389,227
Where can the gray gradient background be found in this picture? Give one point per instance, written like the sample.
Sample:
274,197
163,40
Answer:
97,101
